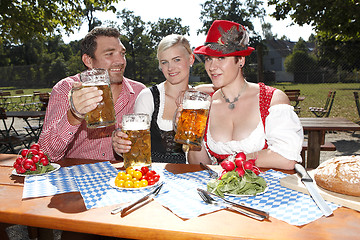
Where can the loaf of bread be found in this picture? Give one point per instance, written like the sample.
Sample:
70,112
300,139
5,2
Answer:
340,174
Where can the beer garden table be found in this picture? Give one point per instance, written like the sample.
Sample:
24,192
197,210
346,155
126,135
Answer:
317,128
153,221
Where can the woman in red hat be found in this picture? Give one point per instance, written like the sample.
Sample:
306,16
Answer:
252,118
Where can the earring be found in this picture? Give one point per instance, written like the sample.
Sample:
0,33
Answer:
240,66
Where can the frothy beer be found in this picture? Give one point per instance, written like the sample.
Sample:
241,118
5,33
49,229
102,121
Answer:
104,114
138,132
192,122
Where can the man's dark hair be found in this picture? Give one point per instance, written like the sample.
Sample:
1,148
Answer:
88,44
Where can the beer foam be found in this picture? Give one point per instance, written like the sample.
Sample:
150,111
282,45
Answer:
135,126
196,104
94,84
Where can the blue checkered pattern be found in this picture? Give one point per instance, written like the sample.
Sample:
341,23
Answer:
282,203
61,181
178,194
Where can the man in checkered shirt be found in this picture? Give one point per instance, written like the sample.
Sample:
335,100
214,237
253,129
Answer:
64,133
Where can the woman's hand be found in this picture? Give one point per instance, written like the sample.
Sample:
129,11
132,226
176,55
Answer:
120,143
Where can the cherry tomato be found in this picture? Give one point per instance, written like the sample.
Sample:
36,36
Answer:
149,174
131,172
144,170
153,172
127,177
137,184
156,177
129,184
144,182
121,175
127,169
137,175
119,182
151,182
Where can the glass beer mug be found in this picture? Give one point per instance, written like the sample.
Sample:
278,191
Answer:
137,127
190,126
104,114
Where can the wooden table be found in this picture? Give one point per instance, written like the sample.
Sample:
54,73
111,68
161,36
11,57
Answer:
153,221
316,128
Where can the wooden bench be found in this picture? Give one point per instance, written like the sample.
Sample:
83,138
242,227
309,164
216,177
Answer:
324,111
327,146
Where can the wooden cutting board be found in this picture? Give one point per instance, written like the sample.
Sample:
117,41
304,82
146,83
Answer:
294,182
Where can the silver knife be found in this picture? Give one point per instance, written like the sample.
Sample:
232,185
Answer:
312,189
151,194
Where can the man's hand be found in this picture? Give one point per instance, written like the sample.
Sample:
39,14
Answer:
120,143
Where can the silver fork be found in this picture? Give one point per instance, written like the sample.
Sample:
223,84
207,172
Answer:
211,172
209,200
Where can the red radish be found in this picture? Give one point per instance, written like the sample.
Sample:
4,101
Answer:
228,165
241,156
44,161
20,169
240,171
28,163
33,168
252,161
238,162
248,165
24,152
35,158
256,170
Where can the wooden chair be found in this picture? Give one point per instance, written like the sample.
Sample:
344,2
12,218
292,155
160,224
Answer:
356,96
294,96
9,138
324,111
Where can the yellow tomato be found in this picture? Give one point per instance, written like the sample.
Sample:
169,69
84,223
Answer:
137,175
134,179
121,175
127,169
144,183
129,184
127,177
119,182
131,172
137,184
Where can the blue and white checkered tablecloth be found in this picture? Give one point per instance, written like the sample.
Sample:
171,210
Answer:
61,181
178,194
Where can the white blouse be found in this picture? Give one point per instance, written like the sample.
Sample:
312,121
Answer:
145,104
283,132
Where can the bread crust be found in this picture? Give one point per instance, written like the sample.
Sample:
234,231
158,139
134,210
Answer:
340,174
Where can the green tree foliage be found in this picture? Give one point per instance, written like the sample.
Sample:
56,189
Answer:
22,20
300,62
164,27
332,19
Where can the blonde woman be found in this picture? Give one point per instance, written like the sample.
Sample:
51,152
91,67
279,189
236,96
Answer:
159,101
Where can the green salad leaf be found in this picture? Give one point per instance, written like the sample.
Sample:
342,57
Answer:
232,183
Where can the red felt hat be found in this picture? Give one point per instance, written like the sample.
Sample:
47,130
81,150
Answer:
225,38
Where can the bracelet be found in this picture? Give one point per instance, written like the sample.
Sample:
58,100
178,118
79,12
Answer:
73,109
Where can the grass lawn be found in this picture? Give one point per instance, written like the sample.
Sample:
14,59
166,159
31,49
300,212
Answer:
315,96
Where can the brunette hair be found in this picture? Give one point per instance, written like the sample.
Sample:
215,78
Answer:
88,44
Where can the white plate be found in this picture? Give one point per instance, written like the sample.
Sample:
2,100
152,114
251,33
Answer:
55,165
236,195
112,184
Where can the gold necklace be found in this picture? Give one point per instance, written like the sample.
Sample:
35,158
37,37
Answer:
232,103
